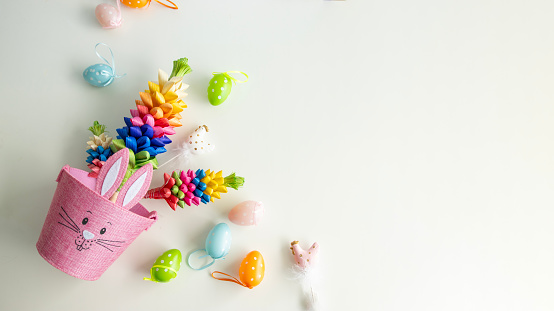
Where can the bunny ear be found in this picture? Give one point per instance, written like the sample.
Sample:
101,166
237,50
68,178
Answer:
135,188
112,173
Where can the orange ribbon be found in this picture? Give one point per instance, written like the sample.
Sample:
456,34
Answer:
167,6
232,278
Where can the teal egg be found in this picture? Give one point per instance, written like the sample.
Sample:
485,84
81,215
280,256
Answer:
99,75
219,89
218,242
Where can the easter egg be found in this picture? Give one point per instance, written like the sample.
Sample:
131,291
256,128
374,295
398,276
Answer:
247,213
219,89
108,16
252,269
218,241
166,266
135,3
99,75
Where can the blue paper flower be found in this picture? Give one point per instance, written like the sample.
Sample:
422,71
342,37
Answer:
140,138
100,153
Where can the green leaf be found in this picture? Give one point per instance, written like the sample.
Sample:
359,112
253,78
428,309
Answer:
154,162
97,128
234,181
128,174
132,159
180,68
141,163
143,155
117,144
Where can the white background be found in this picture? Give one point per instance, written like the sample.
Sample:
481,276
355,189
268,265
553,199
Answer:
412,139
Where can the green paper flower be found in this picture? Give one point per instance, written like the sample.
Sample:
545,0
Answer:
180,68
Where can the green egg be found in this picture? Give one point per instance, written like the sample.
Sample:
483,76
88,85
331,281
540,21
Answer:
219,88
166,266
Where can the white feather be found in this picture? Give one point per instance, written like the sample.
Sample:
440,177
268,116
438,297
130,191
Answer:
308,278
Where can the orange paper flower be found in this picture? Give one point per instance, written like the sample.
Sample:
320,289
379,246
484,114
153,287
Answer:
165,98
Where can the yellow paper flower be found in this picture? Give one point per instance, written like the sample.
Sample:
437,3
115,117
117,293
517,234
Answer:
215,184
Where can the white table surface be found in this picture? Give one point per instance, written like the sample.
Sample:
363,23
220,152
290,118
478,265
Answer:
413,140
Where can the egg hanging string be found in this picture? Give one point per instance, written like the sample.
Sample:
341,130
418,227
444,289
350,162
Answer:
151,278
118,22
167,6
112,65
227,74
203,267
230,279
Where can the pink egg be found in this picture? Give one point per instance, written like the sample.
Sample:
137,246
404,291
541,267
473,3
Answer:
247,213
108,16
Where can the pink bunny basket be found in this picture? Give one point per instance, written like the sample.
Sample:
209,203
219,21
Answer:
89,223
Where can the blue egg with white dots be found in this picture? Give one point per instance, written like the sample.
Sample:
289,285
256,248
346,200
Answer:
218,242
99,75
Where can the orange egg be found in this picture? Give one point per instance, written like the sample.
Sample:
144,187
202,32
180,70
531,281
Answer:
135,3
252,269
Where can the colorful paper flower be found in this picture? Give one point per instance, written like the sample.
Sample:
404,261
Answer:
141,138
100,153
187,188
99,144
95,167
101,140
165,98
146,132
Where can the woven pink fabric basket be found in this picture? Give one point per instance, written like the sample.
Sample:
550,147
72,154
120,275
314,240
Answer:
84,232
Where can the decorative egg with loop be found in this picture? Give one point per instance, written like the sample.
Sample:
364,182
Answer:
101,75
220,86
166,267
218,244
251,271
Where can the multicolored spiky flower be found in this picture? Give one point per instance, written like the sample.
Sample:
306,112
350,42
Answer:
187,188
157,113
99,147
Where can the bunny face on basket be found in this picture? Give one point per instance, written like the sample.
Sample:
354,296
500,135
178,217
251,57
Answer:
90,230
92,225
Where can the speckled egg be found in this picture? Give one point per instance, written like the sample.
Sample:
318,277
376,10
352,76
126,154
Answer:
252,269
135,4
166,266
218,241
108,16
247,213
219,89
99,75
